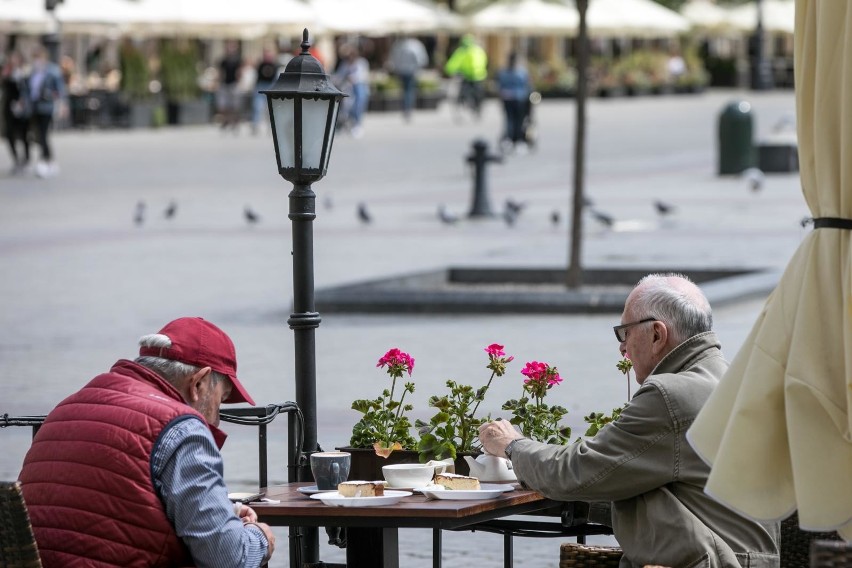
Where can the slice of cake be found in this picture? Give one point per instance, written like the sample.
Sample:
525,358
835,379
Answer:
361,489
457,482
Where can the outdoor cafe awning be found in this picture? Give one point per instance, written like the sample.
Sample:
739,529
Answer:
778,428
381,17
526,16
23,16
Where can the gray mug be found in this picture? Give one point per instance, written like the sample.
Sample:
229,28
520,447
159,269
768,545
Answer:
330,468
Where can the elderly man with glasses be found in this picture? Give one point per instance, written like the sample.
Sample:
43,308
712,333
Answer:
642,462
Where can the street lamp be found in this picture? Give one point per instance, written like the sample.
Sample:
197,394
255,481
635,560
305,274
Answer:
303,107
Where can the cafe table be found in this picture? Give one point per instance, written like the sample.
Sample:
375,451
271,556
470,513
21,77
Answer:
373,532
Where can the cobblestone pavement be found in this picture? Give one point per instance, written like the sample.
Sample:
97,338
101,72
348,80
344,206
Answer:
81,282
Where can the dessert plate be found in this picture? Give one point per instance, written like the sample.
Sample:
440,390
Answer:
337,500
312,489
486,491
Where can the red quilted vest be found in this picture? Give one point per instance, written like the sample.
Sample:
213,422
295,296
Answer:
87,477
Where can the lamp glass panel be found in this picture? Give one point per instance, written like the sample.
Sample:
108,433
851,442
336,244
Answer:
285,126
335,103
314,118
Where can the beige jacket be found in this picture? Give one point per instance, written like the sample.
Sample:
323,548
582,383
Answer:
644,465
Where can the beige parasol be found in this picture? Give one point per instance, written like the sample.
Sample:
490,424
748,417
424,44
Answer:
778,429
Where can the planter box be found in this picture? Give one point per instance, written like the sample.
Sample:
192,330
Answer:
382,103
429,101
189,112
366,465
141,114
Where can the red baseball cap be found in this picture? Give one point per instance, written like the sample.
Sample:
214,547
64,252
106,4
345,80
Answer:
198,342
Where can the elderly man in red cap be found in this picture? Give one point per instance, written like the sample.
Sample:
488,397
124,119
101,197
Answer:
127,470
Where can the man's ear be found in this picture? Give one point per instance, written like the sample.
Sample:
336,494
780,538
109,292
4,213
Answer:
660,337
195,384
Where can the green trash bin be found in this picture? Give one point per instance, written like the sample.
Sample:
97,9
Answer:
736,131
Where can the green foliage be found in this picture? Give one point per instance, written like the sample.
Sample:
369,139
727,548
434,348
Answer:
135,75
179,61
453,428
538,421
384,420
598,420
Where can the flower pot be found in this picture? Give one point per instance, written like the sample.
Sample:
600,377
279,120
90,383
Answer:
367,466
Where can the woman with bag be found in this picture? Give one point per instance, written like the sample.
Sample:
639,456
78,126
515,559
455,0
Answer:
17,110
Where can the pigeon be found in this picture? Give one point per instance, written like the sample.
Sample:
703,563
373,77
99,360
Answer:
510,216
251,216
139,215
755,179
514,206
663,208
363,214
587,202
170,210
606,220
555,217
446,217
327,202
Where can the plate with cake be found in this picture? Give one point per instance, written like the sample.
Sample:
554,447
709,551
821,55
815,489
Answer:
461,487
361,494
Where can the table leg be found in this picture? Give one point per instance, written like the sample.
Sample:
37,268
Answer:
436,548
362,544
508,552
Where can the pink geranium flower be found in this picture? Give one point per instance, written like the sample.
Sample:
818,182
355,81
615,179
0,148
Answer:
397,362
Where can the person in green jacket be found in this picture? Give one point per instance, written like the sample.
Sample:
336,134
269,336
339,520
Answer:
470,62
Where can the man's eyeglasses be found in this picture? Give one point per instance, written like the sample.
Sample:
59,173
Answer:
621,330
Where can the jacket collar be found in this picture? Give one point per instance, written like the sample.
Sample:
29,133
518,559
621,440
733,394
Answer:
688,353
146,375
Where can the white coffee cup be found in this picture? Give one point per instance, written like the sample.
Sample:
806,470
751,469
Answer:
408,474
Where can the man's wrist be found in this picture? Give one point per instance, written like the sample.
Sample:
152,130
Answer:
510,447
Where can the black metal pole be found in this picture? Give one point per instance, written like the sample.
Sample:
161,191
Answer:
761,69
575,268
303,321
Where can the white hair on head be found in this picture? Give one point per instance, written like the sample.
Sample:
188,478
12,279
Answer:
155,340
676,301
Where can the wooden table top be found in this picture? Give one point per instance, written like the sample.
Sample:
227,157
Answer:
298,509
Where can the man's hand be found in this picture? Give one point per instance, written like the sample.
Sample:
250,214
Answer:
270,538
247,514
496,435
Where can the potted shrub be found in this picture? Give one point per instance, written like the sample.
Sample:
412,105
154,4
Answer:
135,84
429,92
385,92
179,61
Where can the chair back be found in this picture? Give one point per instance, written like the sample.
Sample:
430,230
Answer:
831,554
18,548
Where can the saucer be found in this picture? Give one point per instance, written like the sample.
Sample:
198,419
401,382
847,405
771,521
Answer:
312,489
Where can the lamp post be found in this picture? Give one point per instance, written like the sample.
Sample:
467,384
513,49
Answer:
761,68
303,107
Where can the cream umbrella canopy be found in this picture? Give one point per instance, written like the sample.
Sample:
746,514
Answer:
379,17
707,15
526,16
778,16
27,16
778,429
633,18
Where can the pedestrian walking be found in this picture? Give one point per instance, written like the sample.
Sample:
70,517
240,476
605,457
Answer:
17,111
353,78
227,96
266,73
469,62
513,82
408,56
48,96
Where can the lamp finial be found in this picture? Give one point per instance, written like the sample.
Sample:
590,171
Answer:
306,44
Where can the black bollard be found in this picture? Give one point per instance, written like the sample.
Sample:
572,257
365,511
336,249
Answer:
480,158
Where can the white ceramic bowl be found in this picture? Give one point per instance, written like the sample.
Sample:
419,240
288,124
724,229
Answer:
408,474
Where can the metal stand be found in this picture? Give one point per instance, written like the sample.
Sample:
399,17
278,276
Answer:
480,158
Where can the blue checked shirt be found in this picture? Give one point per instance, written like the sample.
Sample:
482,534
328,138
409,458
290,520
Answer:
188,476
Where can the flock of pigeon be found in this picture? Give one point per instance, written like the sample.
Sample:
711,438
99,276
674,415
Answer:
170,211
512,210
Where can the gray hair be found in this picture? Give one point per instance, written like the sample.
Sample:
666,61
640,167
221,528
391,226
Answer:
173,371
676,301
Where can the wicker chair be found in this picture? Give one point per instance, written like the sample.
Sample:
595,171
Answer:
18,547
574,555
796,543
831,554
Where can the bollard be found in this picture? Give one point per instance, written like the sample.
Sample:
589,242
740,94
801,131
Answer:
480,157
736,149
